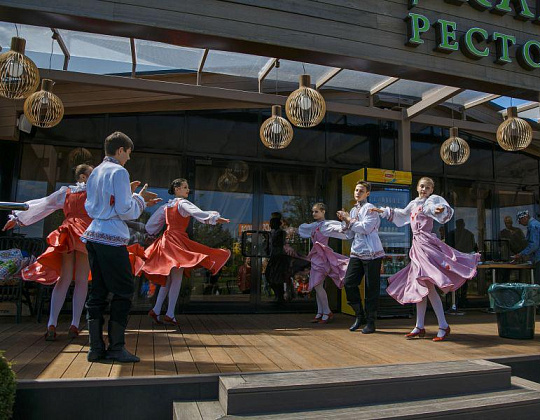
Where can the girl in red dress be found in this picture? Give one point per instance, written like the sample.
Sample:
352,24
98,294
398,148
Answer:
173,254
65,260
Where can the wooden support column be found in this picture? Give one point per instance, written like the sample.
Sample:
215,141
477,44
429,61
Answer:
403,149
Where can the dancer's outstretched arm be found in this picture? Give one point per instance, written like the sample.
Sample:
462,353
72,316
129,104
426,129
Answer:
187,208
37,209
437,208
156,221
400,217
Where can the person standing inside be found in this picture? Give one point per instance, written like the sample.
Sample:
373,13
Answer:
362,226
65,260
532,251
110,202
433,262
463,240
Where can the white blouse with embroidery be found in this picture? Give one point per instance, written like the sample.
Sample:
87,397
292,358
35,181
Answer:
402,217
329,228
40,208
185,208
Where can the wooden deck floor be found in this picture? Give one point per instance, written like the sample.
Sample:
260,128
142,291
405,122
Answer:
249,343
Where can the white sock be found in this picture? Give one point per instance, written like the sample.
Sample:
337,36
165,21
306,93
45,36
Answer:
322,297
420,314
81,287
162,294
79,297
174,290
58,298
437,305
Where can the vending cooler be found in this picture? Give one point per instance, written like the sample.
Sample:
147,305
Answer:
388,189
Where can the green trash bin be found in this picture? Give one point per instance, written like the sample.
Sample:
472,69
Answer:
514,304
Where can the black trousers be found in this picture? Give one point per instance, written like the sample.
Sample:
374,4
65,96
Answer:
371,270
111,273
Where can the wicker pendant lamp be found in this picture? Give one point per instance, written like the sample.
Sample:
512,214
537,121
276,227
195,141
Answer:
19,76
455,150
305,107
276,132
43,108
514,133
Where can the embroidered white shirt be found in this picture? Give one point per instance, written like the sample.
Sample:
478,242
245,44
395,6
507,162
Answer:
110,203
363,229
402,217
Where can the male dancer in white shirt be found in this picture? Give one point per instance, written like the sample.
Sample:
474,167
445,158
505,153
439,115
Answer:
366,256
110,202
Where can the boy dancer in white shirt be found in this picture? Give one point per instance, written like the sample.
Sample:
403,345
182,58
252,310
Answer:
110,202
366,256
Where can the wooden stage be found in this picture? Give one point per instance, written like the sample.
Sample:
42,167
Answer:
250,343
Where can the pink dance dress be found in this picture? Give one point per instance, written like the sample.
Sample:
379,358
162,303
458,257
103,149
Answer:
324,261
432,261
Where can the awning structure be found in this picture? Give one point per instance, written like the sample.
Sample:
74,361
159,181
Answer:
147,76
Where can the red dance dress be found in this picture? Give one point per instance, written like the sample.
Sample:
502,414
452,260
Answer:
65,239
174,249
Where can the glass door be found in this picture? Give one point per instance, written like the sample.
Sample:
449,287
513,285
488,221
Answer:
289,194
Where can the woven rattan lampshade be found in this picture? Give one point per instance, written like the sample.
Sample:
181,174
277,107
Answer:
305,107
44,109
276,132
19,76
455,150
514,133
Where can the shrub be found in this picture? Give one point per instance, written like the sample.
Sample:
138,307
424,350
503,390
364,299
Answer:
8,387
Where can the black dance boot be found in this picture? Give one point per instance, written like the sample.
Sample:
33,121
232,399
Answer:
97,345
370,325
360,317
117,350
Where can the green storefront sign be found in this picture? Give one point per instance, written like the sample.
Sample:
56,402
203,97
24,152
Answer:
477,43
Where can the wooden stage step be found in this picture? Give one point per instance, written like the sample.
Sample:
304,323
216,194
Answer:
475,389
258,393
520,401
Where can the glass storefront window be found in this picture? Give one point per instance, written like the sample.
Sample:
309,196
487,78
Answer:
223,132
45,169
425,149
516,168
353,140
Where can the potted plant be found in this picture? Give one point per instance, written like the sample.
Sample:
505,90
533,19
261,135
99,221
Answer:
8,387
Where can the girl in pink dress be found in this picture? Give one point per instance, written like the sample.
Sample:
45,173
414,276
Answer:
433,263
324,261
173,254
66,258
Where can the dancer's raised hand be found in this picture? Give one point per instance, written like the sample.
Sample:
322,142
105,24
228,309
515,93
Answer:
439,209
134,185
149,197
10,224
222,220
343,215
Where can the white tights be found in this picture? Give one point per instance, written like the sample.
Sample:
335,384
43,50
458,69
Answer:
437,305
322,300
174,282
78,261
